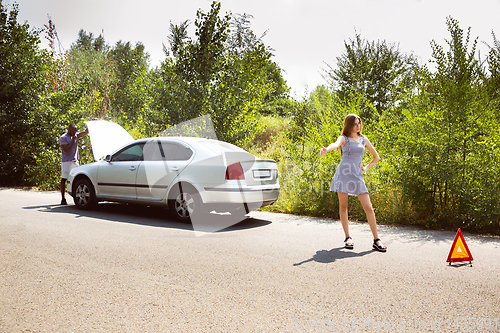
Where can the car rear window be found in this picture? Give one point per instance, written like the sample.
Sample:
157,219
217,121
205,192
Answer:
219,147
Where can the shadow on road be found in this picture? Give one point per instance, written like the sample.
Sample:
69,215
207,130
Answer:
326,257
410,234
142,215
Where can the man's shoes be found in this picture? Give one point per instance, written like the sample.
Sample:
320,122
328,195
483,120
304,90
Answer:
63,202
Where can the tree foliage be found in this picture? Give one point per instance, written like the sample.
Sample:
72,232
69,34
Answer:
90,65
446,150
131,79
377,70
226,74
493,75
22,80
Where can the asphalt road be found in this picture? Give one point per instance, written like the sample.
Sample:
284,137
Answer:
132,269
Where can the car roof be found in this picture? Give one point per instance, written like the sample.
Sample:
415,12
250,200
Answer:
210,145
177,138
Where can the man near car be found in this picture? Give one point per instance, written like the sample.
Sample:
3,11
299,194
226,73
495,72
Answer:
69,147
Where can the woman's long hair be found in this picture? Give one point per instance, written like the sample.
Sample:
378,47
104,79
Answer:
349,122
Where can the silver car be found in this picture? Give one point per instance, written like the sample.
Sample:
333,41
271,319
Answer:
192,176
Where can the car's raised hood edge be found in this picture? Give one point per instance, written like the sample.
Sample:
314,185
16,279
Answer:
106,137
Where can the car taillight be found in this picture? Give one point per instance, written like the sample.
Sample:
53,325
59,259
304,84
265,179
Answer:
235,171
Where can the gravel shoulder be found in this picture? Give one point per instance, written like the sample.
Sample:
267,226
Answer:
133,269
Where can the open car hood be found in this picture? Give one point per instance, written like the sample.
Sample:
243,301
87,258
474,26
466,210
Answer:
106,137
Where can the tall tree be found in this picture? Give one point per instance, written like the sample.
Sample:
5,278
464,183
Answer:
378,70
131,77
22,82
493,79
87,41
228,75
242,39
186,76
90,66
178,35
447,152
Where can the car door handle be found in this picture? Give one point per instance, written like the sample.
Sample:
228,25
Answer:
174,168
132,168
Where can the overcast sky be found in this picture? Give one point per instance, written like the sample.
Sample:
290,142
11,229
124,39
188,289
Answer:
304,34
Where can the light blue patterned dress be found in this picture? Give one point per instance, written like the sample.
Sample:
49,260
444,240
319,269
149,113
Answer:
348,177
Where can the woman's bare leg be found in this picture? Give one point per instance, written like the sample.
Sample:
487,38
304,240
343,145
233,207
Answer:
364,198
343,212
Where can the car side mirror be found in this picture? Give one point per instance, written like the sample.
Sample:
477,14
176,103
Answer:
108,158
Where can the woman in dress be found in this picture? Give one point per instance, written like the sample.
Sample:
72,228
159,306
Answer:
348,178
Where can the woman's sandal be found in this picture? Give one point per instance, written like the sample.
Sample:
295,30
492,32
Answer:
348,243
381,247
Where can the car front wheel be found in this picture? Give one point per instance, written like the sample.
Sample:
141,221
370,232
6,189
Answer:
84,194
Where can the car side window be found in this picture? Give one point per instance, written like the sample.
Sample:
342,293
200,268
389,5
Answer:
166,151
132,153
175,152
153,151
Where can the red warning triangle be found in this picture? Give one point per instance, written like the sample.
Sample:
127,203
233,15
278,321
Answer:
459,250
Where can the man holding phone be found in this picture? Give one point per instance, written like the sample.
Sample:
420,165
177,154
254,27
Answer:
69,147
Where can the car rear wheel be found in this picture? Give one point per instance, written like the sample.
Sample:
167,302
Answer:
84,194
185,203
